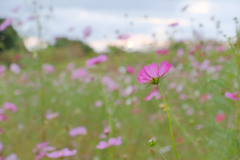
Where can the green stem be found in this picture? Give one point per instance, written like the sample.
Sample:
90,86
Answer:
159,152
170,124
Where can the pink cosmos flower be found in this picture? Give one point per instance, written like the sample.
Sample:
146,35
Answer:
232,96
220,117
47,68
96,60
10,106
111,142
87,32
98,103
7,22
130,70
152,74
162,51
123,36
79,73
42,149
77,131
12,156
204,65
42,145
154,94
62,153
70,66
2,69
15,68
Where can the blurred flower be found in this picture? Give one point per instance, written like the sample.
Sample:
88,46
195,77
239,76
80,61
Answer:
15,68
12,156
3,117
102,145
62,153
47,68
174,24
87,32
220,117
1,146
98,103
123,36
7,22
106,130
107,81
232,96
180,52
154,94
130,70
162,51
2,69
52,115
152,74
16,9
77,131
111,142
220,48
79,73
204,65
70,66
10,106
30,18
96,60
205,97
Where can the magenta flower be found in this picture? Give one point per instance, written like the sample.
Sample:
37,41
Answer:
232,96
220,49
10,106
130,70
152,74
63,153
96,60
77,131
162,51
42,145
48,68
174,24
3,117
154,94
109,83
87,32
220,117
7,22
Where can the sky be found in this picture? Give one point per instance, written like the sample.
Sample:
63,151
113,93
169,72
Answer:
140,19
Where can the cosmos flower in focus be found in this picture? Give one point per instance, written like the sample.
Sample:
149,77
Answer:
152,74
77,131
96,60
62,153
7,22
232,96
